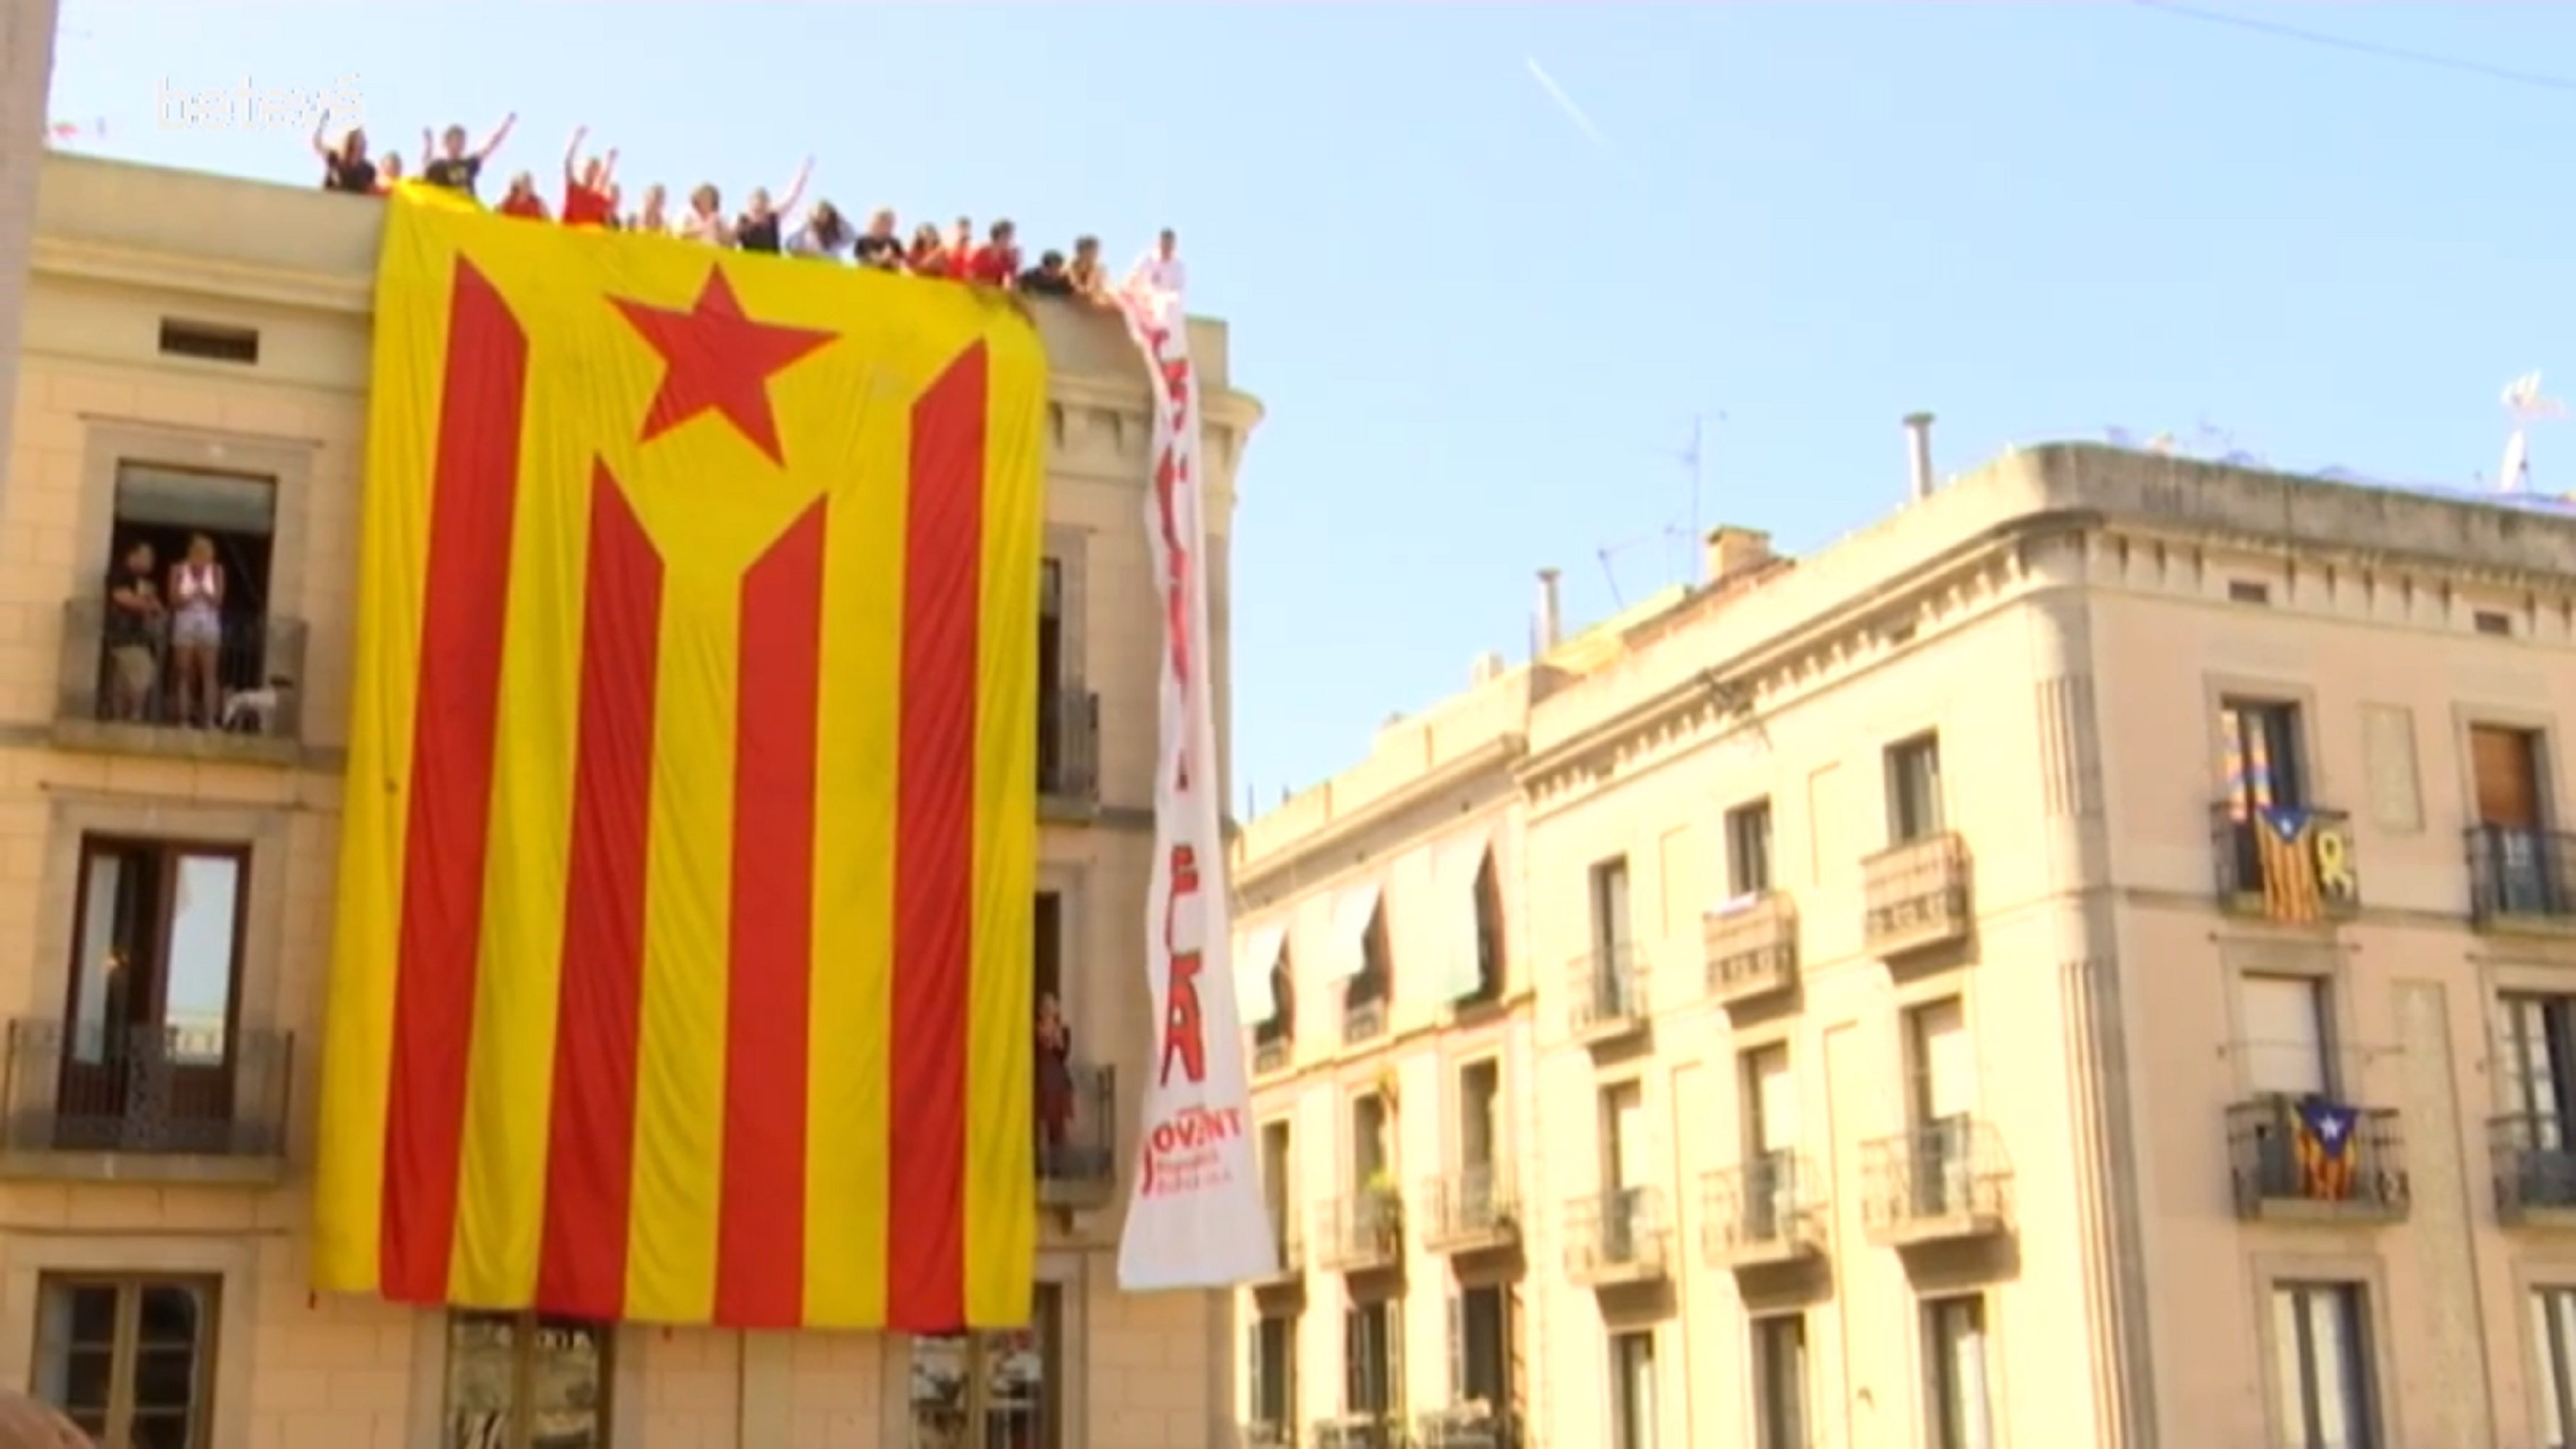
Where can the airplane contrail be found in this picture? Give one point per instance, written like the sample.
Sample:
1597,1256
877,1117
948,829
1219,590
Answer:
1572,111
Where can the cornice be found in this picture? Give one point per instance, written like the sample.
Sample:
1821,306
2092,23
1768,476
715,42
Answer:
1494,756
233,281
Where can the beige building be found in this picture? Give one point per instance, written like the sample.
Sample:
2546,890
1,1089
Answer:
195,361
2088,961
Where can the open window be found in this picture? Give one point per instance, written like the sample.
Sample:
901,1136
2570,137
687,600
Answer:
152,1016
162,514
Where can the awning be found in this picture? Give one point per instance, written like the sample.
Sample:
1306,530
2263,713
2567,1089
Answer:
1254,960
1458,967
1347,952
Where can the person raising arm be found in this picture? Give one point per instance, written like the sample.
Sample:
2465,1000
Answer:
588,185
345,167
455,165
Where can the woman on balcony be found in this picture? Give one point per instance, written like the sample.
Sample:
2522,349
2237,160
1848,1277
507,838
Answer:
1054,1079
197,630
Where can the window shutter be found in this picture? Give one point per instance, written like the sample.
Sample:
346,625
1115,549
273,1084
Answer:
1394,1330
1354,1360
1457,1348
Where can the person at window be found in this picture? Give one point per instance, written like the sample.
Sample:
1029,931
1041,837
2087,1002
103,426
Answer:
1054,1077
880,246
522,200
1048,278
388,172
1090,279
757,230
705,221
345,167
826,233
650,217
197,629
590,187
452,164
137,620
997,262
929,254
27,1424
1160,269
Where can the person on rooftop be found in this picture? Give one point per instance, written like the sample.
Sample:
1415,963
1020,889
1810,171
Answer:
345,167
758,228
880,246
1089,278
389,173
1160,269
997,262
650,216
1048,278
826,233
453,164
522,200
929,254
705,219
589,186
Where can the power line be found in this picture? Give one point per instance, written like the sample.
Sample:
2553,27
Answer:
2535,79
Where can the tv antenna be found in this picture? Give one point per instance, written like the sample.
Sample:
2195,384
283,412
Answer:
2525,405
1683,532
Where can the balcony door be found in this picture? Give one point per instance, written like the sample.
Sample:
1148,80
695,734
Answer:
152,1020
2537,1035
1770,1137
1945,1101
2505,766
1610,936
1624,1155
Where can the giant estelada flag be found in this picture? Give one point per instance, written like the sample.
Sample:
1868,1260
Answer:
683,959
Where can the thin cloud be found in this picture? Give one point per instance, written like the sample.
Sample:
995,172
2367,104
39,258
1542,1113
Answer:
1572,111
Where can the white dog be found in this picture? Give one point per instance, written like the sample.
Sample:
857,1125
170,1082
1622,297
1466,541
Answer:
254,711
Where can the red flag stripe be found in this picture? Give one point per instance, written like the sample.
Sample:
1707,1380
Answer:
935,853
760,1239
464,610
590,1157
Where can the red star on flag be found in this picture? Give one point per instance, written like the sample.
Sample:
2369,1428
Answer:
715,359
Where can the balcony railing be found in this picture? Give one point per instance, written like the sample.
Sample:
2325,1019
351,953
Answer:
1069,746
1358,1431
2293,865
185,1103
2535,1170
1916,895
1943,1181
1469,1210
1751,946
1363,1019
1470,1426
1364,1232
1607,985
1272,1053
2522,877
1077,1136
2289,1158
1767,1211
1268,1434
119,686
1616,1236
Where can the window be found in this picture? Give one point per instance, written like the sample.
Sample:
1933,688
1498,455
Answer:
1489,929
2248,591
1780,1382
1770,1097
1370,1153
2492,621
1480,1347
1942,1083
991,1390
2553,1365
2285,1035
1372,1359
1748,849
1610,929
2320,1351
1270,1371
1376,977
1632,1390
1914,790
174,664
1280,1026
151,1006
1049,956
129,1360
1480,1097
2539,1049
1955,1373
1278,1167
520,1381
2264,762
1068,714
2515,855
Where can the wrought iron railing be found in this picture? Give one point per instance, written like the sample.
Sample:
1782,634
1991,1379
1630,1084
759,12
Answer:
1765,1204
2279,1153
1950,1169
2310,874
1363,1231
1616,1233
1607,988
119,668
2525,875
1471,1426
2534,1166
213,1090
1077,1120
1469,1205
1069,745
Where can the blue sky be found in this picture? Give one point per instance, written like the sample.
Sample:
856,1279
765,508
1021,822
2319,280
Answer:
1481,337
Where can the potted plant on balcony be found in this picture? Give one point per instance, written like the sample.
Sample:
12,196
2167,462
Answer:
1385,1209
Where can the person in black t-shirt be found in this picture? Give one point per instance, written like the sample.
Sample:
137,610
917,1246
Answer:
137,622
880,246
454,165
345,167
1048,278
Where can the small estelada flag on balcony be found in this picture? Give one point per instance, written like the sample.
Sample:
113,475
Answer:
2285,847
683,969
2326,1135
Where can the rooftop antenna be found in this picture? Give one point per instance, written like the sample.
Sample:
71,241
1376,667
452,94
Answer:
2524,404
1682,533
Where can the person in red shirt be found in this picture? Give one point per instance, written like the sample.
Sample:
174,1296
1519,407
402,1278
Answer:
997,262
929,255
589,187
523,200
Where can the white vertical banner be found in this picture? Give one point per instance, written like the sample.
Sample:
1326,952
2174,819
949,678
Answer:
1195,1218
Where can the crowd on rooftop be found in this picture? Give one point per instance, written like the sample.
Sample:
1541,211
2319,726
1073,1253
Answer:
592,196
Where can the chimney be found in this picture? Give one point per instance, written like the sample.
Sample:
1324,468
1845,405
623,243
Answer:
1730,552
1918,442
1551,624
